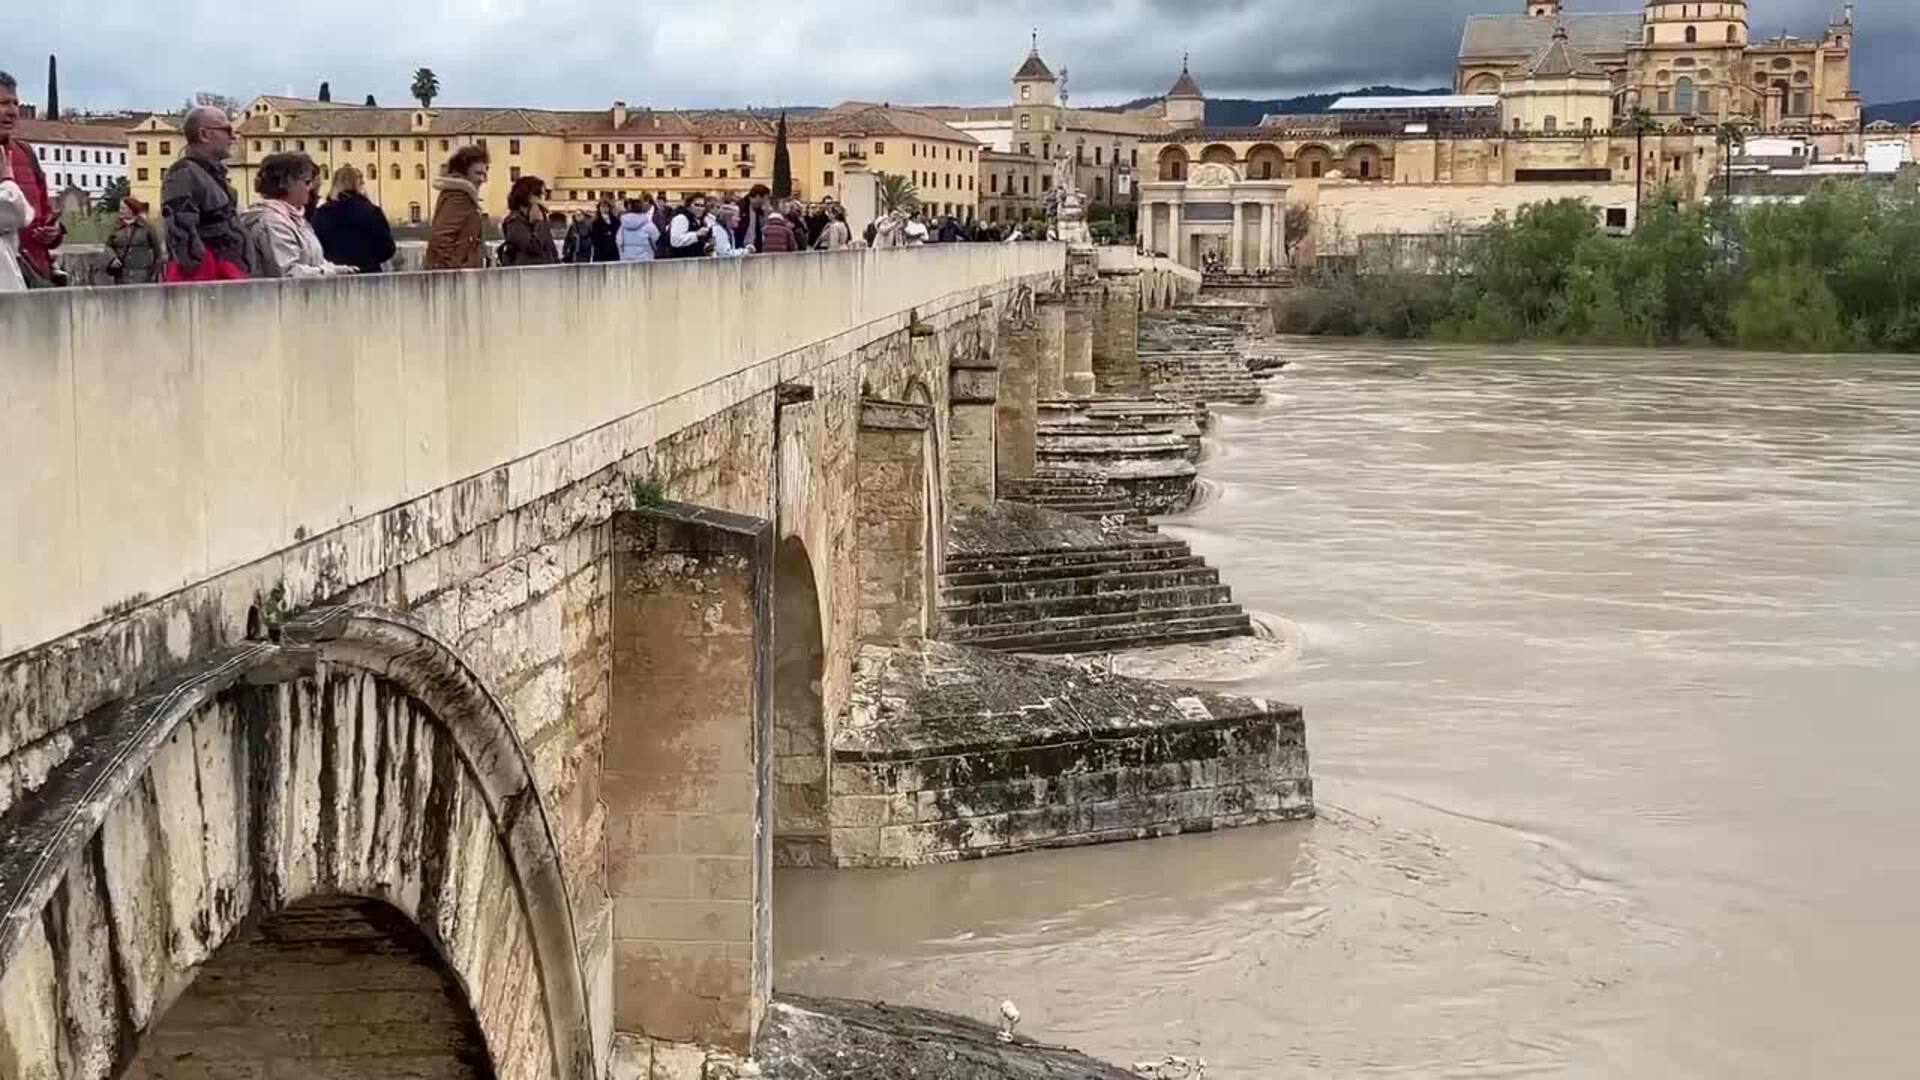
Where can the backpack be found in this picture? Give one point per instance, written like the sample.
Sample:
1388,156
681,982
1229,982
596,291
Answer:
256,244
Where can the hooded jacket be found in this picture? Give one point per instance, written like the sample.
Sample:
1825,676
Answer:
457,226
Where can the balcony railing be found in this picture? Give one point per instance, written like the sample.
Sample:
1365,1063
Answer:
853,155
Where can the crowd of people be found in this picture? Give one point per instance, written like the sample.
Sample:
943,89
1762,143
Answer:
207,234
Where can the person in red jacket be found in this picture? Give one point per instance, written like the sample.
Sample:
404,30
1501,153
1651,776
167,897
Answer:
778,235
38,240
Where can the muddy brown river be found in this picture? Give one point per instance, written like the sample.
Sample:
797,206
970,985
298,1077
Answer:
1611,663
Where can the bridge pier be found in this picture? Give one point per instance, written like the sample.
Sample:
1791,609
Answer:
688,774
1114,307
973,398
1017,407
896,516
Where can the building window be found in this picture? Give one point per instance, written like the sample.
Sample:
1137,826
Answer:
1516,125
413,213
1586,123
1134,158
1026,149
323,146
143,176
826,178
1693,35
396,170
444,146
1317,168
346,145
1552,125
513,172
1683,96
1098,152
1664,102
1800,103
301,146
1046,182
420,146
1706,100
879,148
1026,92
419,172
829,147
1026,122
394,145
140,148
1026,185
1733,35
278,146
993,184
1079,153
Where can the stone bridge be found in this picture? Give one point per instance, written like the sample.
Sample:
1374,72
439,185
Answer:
419,676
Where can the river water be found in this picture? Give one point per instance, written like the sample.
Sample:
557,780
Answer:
1611,663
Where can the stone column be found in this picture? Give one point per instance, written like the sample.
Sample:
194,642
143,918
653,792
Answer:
1077,362
1017,410
1050,346
1176,242
893,530
1237,249
1266,234
688,774
1146,225
973,393
1116,335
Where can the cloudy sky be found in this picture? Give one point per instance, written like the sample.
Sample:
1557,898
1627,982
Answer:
587,53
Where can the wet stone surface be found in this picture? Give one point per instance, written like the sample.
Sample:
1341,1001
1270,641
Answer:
815,1039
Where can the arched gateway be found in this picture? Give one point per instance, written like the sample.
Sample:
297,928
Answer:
343,816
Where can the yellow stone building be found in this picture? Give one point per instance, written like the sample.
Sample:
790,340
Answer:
584,156
1545,110
1023,138
1685,62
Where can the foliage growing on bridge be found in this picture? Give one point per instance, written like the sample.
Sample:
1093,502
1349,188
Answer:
1839,271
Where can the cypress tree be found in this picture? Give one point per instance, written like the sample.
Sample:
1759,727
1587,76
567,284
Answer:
326,92
782,162
370,102
53,87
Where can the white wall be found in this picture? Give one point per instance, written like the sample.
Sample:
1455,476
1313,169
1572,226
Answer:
159,436
89,167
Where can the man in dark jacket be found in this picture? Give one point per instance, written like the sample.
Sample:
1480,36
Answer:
352,230
751,232
198,203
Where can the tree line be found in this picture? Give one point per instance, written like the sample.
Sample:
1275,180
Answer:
1839,271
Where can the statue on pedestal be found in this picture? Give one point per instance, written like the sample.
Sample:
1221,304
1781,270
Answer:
1068,202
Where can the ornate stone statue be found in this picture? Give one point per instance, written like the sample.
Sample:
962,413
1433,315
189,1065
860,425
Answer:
1069,202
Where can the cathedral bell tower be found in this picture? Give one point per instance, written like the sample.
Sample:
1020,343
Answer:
1543,9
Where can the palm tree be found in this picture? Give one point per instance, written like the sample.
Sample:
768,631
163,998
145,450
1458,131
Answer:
1733,140
426,87
1643,125
898,193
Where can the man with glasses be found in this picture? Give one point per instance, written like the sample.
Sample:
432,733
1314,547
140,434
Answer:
203,229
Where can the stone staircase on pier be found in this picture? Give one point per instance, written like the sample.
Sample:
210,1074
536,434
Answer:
1091,500
1202,378
1030,580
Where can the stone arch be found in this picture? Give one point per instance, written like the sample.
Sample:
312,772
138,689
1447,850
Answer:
800,809
1173,163
1313,160
1484,83
357,756
1218,154
353,981
1365,161
1266,162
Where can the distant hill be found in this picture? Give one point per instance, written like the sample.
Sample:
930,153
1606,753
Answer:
1900,112
1246,112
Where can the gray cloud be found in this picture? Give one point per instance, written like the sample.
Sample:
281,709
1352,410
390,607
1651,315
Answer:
586,53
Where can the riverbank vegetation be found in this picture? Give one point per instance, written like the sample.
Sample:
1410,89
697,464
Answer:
1837,272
